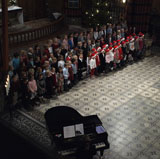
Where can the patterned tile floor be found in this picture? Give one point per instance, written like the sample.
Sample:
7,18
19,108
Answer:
127,102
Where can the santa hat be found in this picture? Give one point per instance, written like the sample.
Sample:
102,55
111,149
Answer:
127,37
102,50
134,34
122,39
110,44
93,55
118,41
107,50
141,34
115,47
127,41
105,46
123,42
136,37
114,42
99,48
119,45
93,49
111,48
131,39
96,53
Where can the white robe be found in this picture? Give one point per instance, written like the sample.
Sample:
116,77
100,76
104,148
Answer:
111,55
131,46
93,63
108,58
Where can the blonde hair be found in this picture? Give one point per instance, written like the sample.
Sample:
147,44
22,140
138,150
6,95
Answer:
47,72
31,71
23,52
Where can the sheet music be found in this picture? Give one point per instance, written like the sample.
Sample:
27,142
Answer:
79,129
69,131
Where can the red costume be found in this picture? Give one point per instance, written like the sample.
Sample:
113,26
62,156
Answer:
71,76
68,58
46,51
98,62
120,52
54,80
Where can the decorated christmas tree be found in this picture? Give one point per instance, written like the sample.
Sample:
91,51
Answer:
101,12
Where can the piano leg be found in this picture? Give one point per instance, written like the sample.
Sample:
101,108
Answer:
101,153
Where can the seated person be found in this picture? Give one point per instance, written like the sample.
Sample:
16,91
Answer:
85,149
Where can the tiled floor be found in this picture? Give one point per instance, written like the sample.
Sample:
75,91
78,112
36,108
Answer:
127,102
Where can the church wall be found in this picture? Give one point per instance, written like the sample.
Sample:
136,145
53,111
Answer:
139,14
72,15
156,5
55,5
34,9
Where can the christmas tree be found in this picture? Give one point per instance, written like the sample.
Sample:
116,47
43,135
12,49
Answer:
101,12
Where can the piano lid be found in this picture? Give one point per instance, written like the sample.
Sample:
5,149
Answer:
60,116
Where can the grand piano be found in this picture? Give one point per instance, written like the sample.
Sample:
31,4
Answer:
67,128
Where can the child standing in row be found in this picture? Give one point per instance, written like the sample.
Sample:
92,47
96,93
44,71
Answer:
60,80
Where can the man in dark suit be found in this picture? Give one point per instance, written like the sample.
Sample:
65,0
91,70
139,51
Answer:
80,66
75,39
114,36
102,61
105,32
109,39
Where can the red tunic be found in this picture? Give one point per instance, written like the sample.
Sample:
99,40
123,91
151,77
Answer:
55,46
71,76
43,60
140,44
68,58
54,80
46,51
120,53
98,62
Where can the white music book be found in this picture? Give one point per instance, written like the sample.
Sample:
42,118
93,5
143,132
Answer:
73,130
79,130
69,131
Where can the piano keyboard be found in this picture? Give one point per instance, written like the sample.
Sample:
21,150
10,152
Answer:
72,151
67,152
100,145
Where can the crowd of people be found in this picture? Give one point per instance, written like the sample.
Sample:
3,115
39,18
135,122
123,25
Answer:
37,74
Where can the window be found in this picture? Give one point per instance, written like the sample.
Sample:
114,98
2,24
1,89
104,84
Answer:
73,3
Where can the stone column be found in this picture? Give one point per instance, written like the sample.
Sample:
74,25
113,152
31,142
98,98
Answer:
5,35
5,59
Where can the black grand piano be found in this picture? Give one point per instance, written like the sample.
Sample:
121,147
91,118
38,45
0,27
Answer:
67,128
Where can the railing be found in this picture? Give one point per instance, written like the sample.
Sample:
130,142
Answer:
35,34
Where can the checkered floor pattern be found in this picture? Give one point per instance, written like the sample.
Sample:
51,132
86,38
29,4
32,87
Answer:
128,103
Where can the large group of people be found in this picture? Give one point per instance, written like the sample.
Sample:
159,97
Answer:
37,74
